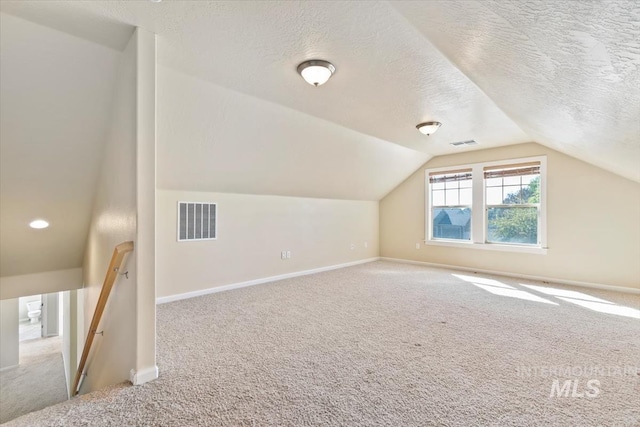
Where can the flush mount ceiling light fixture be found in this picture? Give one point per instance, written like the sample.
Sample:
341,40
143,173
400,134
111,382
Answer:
38,224
316,72
428,128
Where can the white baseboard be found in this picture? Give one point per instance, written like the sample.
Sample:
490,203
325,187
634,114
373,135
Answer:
171,298
518,276
6,368
143,375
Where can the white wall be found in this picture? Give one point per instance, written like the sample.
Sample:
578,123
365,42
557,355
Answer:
113,222
51,315
146,208
593,231
80,329
71,334
124,210
22,306
40,283
67,347
252,231
9,353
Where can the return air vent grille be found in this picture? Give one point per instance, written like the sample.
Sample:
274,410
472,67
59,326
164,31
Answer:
462,143
197,221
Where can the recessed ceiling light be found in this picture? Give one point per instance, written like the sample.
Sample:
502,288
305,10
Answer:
155,1
316,72
38,224
428,128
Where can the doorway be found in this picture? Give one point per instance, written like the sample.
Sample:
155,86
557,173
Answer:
38,380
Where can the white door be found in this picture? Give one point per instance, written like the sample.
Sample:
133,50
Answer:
50,315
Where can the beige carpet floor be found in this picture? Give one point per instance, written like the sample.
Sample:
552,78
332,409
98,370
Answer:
382,344
38,381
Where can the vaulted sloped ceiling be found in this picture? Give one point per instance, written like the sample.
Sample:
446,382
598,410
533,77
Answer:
561,73
567,72
55,102
211,138
234,116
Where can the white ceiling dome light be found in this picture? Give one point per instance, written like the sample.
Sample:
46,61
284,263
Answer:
38,224
316,72
428,128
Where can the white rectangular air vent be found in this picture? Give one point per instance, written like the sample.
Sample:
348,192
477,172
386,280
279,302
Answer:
461,143
196,221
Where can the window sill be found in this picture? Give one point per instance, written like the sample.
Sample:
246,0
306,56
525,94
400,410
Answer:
489,246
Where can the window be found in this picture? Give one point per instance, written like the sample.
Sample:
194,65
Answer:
451,205
196,221
513,203
497,205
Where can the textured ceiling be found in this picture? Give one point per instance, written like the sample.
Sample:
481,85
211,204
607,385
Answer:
55,104
389,77
567,72
561,73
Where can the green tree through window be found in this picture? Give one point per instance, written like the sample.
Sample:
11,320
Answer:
517,224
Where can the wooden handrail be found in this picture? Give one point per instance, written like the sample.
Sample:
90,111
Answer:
114,266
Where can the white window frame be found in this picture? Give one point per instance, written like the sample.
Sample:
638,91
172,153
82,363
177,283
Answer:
479,209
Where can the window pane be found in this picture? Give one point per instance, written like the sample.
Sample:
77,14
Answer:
437,198
494,182
531,193
465,196
512,225
526,179
451,184
451,223
452,197
465,184
437,186
512,195
512,180
494,196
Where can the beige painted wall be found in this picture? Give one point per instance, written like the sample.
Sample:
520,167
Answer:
40,283
593,229
124,209
146,206
113,222
252,232
9,352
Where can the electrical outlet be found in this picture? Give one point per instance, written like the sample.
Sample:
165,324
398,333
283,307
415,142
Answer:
353,246
283,255
366,244
417,245
288,254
